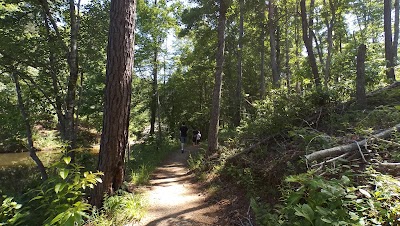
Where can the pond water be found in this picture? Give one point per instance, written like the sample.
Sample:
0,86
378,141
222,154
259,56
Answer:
10,159
23,158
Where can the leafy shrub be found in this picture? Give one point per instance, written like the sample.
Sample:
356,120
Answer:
310,199
59,200
280,112
11,212
119,209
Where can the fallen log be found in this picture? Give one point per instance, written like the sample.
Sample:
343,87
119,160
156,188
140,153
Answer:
349,147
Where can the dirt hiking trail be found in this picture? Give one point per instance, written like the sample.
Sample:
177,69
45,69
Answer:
174,197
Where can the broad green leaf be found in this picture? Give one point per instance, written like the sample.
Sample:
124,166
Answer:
67,159
57,188
64,173
305,211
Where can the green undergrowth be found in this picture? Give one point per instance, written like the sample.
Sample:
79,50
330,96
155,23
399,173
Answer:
284,189
62,199
146,156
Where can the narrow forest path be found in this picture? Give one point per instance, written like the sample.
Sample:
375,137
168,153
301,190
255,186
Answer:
175,199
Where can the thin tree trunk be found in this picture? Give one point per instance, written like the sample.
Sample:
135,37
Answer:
215,108
154,93
72,80
308,43
272,42
32,150
329,24
396,30
388,40
120,54
262,49
240,71
54,79
360,92
287,50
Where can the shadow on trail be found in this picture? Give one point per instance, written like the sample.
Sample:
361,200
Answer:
176,218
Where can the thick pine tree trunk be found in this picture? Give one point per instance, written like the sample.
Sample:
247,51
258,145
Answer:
360,91
216,100
114,137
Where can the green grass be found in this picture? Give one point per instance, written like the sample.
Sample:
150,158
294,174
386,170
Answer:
146,157
119,209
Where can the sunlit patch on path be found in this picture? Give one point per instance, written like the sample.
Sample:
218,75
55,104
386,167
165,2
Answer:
175,199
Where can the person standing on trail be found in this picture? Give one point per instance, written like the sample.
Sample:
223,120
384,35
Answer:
183,129
194,138
198,137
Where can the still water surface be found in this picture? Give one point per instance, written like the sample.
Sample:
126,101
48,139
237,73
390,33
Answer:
23,158
10,159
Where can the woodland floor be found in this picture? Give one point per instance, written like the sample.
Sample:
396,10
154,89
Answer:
176,198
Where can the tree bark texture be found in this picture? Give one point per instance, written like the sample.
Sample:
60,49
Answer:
387,24
216,100
396,30
287,50
330,25
72,80
32,150
240,68
262,49
154,94
307,38
114,138
54,79
360,81
272,42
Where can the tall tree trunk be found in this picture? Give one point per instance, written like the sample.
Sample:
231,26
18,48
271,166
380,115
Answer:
287,50
154,93
54,79
240,70
216,100
396,30
262,49
32,150
360,91
308,43
388,40
298,46
114,137
329,24
272,42
154,96
72,80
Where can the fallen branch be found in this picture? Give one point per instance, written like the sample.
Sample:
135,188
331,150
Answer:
330,160
388,164
349,147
